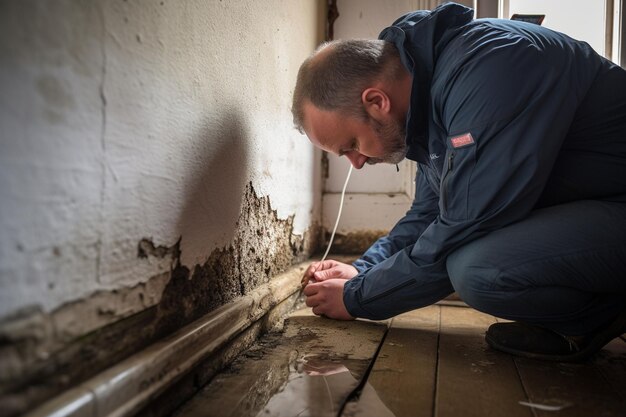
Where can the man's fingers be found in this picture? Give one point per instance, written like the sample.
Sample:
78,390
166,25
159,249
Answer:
323,275
318,272
326,299
327,264
313,297
335,272
310,289
308,274
311,269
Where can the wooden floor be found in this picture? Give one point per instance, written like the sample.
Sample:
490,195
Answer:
429,362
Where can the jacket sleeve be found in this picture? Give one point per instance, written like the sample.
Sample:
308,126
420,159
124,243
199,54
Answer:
423,211
504,118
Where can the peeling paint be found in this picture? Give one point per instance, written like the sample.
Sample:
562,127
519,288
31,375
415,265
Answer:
39,352
139,125
263,246
146,249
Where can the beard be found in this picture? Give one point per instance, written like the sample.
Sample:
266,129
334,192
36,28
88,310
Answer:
392,135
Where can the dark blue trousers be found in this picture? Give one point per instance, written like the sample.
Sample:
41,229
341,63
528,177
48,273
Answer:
563,267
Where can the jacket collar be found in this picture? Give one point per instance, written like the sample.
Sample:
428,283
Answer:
419,37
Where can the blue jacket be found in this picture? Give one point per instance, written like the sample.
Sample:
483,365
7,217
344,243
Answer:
505,117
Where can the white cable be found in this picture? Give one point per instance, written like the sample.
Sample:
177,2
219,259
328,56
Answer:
343,194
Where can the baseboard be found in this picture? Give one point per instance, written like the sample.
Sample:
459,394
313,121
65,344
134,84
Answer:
127,387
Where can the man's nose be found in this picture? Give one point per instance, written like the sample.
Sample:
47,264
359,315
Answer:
356,159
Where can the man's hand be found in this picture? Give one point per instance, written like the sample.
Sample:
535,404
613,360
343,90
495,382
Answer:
321,271
326,298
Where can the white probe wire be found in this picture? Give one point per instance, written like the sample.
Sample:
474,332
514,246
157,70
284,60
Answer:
343,194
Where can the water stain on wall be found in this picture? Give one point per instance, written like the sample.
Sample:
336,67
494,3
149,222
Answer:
38,359
354,242
263,246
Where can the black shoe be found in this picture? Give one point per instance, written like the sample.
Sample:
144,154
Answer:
536,342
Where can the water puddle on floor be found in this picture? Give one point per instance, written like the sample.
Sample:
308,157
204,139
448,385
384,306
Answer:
309,368
317,386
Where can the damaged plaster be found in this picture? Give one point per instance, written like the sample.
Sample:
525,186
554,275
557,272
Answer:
354,242
263,246
38,351
132,132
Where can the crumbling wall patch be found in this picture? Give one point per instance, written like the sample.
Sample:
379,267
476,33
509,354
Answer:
44,354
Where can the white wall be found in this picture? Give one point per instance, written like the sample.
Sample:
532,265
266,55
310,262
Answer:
580,19
149,173
121,121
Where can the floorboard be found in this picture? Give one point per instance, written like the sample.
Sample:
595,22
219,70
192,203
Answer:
473,380
403,376
611,361
431,362
576,389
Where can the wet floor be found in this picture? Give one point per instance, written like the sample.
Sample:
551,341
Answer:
311,368
322,386
431,362
316,386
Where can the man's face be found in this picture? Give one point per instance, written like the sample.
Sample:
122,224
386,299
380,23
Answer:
361,141
393,136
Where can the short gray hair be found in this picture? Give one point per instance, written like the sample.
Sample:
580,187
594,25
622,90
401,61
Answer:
336,80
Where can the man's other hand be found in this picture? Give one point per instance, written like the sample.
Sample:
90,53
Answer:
321,271
326,298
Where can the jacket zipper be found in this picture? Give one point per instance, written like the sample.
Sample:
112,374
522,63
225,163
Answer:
444,194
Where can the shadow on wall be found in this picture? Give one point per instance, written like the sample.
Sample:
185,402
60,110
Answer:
214,197
231,242
231,239
213,202
208,220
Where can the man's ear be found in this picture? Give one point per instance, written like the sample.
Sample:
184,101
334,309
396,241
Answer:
376,102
